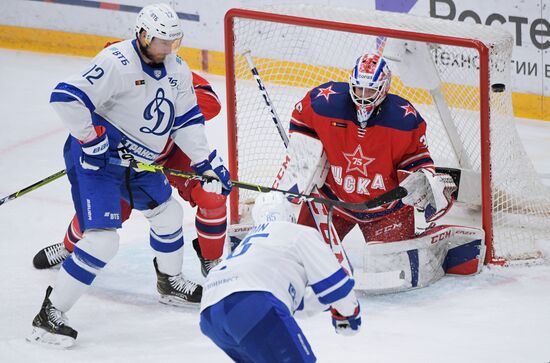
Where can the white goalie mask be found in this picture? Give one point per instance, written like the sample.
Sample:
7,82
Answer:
162,22
273,207
369,84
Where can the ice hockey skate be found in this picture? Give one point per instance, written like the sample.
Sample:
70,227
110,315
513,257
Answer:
50,256
177,290
206,264
50,327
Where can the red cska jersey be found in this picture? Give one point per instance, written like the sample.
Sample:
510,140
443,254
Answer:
363,161
206,97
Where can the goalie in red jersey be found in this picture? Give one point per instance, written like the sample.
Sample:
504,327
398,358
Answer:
355,141
367,135
211,217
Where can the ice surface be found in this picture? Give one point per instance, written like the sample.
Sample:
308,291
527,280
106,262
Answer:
501,315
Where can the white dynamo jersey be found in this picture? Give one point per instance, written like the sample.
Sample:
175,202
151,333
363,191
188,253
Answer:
142,105
281,258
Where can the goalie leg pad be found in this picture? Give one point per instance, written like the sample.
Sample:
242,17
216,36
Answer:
418,259
466,249
465,259
236,233
425,259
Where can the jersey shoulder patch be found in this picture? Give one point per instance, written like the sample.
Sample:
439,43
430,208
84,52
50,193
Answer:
397,113
119,54
175,63
332,100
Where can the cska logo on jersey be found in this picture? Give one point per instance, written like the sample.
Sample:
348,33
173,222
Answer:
326,92
357,161
357,184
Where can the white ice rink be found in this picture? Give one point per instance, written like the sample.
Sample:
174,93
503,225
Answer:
501,315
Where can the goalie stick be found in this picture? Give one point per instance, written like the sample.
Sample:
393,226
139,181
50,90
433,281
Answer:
387,197
317,211
274,116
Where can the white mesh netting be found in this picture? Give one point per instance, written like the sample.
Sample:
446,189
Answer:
291,59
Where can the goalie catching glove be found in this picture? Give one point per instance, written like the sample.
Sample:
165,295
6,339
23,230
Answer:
214,167
429,192
346,325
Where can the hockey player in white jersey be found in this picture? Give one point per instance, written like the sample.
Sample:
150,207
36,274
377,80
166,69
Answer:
133,96
250,298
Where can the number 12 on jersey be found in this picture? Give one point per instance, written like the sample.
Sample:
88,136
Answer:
98,72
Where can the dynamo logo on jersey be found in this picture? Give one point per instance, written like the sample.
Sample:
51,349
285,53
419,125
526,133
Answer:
162,111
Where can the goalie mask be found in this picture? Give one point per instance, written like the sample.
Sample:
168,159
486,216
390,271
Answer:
160,21
273,207
369,84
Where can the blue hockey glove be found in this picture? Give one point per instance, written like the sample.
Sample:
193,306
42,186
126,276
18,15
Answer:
215,168
95,153
346,325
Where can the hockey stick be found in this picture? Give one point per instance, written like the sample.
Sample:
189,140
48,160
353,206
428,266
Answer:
274,116
331,237
387,197
32,187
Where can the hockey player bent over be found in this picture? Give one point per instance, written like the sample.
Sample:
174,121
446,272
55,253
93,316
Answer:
364,141
250,298
211,218
126,104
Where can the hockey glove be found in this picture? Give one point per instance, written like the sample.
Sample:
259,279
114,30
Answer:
213,167
346,325
95,153
429,193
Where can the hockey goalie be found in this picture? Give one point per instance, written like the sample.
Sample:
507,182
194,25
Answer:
355,141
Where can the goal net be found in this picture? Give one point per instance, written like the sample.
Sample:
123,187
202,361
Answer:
457,75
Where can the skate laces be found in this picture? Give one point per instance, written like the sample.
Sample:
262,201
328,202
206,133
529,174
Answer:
56,316
56,253
210,264
180,283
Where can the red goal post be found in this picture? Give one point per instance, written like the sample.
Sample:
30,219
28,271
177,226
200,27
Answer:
273,37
